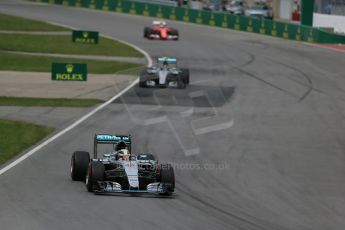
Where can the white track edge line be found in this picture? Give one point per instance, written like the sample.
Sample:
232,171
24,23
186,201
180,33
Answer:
77,122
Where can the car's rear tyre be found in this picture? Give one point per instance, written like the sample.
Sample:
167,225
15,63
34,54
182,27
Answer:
167,177
95,173
79,162
185,76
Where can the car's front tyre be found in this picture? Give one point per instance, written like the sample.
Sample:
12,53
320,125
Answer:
146,32
95,173
79,162
185,75
181,84
167,177
142,84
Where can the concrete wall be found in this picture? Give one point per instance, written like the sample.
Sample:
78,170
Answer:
285,9
333,21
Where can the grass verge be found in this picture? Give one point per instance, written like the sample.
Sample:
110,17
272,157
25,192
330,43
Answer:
17,62
16,136
13,23
63,44
54,102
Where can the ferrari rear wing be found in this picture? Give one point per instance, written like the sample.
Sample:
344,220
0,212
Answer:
111,139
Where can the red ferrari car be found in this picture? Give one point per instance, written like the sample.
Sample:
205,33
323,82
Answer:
160,30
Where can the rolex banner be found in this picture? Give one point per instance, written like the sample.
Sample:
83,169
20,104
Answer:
88,37
69,72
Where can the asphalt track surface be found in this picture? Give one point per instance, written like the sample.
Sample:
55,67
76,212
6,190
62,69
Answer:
257,139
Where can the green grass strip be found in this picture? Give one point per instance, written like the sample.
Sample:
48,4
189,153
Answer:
17,62
13,23
16,136
53,102
63,44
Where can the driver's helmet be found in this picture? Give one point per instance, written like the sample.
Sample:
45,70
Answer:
123,154
120,145
162,24
164,65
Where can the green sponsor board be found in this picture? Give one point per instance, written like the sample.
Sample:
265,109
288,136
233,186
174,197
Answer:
224,20
307,11
69,72
88,37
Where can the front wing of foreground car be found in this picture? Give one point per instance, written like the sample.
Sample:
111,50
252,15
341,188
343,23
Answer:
114,187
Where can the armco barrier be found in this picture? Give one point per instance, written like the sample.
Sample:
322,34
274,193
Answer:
218,19
160,2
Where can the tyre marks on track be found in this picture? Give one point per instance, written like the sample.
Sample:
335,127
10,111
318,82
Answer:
307,83
243,221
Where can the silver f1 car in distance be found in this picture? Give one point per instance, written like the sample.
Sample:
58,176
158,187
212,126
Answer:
119,171
164,73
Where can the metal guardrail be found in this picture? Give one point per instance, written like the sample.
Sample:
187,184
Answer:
334,7
160,2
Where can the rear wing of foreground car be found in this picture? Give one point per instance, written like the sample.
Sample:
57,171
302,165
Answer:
111,139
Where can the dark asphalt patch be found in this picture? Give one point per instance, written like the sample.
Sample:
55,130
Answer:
193,96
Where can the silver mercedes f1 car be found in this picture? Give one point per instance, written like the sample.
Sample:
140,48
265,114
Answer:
164,74
119,171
